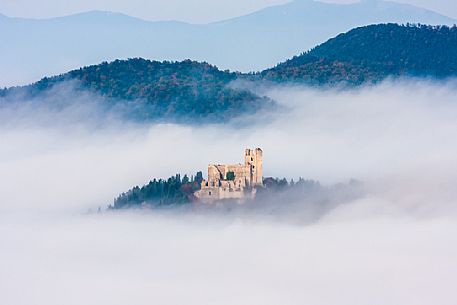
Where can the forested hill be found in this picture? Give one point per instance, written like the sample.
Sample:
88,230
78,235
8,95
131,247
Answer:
195,92
152,90
372,53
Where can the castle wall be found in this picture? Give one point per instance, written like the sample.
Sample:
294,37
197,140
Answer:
211,194
247,177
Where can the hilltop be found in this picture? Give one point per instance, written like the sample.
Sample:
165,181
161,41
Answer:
152,90
372,53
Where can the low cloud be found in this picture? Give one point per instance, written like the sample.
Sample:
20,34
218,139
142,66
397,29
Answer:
394,244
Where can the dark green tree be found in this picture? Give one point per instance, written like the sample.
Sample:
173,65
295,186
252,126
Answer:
230,175
199,177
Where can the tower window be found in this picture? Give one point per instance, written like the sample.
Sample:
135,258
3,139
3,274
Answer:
209,193
252,159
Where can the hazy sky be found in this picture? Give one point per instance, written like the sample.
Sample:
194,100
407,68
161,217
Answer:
197,11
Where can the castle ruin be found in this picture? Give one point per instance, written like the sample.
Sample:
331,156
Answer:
234,181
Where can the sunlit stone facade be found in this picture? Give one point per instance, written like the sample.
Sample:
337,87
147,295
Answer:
242,184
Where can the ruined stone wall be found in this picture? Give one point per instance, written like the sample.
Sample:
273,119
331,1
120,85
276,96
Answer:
247,177
241,174
219,172
227,190
208,194
214,173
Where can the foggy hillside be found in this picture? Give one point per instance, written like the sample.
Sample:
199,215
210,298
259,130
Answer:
143,91
198,93
252,42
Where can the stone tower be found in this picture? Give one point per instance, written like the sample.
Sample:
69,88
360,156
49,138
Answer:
253,163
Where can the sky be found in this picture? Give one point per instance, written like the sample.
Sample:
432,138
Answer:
196,11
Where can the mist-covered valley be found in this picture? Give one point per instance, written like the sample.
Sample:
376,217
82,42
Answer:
392,243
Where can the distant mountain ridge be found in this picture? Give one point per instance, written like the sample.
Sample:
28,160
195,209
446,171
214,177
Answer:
32,48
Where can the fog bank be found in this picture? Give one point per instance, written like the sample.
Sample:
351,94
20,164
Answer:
393,245
114,259
399,139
